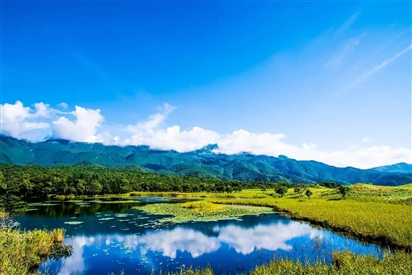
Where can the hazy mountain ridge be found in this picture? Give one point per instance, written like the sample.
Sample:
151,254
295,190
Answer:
401,167
202,162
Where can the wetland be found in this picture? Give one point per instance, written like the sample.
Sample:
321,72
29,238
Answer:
137,236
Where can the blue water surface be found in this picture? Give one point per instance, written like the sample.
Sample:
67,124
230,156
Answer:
115,238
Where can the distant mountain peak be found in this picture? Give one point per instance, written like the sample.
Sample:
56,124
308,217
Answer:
283,157
211,147
208,149
57,140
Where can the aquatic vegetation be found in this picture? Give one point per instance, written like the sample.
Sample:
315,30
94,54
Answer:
36,204
74,222
113,201
106,219
204,211
122,215
203,206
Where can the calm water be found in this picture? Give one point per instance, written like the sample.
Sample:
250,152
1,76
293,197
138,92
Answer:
115,238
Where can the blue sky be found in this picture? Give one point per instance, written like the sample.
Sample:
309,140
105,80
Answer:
310,80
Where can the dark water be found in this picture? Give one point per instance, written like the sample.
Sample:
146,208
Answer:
116,238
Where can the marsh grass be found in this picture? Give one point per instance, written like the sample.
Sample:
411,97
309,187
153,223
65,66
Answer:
343,263
22,252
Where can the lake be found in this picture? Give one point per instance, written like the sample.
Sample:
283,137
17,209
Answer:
112,237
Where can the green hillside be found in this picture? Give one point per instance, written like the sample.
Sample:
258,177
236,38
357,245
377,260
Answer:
203,163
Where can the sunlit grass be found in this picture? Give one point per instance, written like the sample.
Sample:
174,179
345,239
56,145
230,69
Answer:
203,207
343,263
22,252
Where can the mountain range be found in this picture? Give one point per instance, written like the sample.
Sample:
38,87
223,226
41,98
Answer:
204,162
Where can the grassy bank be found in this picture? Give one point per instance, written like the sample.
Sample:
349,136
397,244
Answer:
344,263
22,253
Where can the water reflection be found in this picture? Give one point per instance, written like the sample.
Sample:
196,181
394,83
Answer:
146,248
270,237
168,242
111,238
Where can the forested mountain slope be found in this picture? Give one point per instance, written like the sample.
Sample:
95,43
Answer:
203,162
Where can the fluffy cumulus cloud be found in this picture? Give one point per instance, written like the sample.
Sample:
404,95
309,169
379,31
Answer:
85,125
82,128
17,120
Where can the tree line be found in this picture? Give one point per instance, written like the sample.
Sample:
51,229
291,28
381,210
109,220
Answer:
33,181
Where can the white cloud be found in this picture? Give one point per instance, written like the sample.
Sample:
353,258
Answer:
83,128
64,105
178,239
171,138
84,125
270,237
366,140
16,119
153,121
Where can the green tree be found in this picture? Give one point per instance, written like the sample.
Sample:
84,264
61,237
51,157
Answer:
95,187
308,193
343,190
281,190
299,189
10,202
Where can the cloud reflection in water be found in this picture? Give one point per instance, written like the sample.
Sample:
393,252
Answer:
168,242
